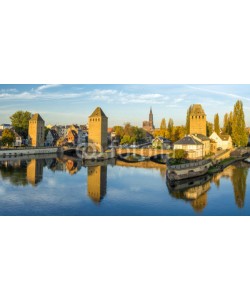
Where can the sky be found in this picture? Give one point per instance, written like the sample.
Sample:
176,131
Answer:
69,103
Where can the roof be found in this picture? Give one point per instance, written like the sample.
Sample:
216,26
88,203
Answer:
37,117
196,109
54,133
201,137
98,112
224,137
188,140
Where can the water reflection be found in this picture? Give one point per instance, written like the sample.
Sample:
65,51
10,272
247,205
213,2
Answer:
237,174
140,188
194,191
35,171
97,182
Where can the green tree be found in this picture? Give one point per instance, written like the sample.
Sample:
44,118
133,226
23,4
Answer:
8,137
225,123
163,124
230,123
217,124
188,120
119,131
239,133
179,154
209,128
170,128
20,122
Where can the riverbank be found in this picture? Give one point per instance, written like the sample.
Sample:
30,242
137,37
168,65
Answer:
24,151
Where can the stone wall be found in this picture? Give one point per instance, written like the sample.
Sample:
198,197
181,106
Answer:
27,151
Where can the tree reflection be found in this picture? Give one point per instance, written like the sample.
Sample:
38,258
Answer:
15,172
239,181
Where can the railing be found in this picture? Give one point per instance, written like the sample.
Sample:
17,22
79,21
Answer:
27,148
190,165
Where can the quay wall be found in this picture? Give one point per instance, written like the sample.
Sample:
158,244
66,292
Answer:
27,151
144,152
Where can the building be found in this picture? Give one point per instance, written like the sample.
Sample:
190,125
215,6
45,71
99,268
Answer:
97,182
51,138
205,141
72,137
193,147
161,143
18,140
197,120
36,131
98,131
5,126
149,125
223,141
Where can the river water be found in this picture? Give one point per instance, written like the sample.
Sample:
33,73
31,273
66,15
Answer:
51,185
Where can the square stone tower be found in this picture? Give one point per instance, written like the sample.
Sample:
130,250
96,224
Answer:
36,131
198,120
98,131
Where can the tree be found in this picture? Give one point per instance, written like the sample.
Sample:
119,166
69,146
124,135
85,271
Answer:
239,133
225,123
230,123
179,154
188,119
163,124
209,128
8,137
20,122
119,131
217,124
170,128
178,133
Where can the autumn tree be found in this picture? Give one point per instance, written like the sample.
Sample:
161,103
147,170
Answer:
217,124
20,122
188,119
225,123
209,128
170,128
239,133
8,137
163,124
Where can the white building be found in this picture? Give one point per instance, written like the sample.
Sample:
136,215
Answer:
193,147
51,138
223,141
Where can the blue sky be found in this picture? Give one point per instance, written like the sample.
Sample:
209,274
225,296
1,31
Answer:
73,103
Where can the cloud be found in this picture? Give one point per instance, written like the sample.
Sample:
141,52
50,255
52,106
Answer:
47,86
220,93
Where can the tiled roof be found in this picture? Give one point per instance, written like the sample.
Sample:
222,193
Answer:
98,112
201,137
188,140
37,117
224,137
196,109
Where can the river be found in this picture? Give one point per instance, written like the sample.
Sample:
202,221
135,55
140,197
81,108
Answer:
62,186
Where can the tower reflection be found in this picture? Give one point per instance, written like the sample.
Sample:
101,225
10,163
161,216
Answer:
35,171
97,182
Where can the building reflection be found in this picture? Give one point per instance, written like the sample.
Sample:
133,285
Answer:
194,191
35,171
97,182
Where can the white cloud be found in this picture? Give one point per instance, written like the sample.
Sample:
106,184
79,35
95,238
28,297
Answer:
235,96
47,86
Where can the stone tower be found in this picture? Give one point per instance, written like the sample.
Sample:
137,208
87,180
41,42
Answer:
97,182
98,131
36,131
198,120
